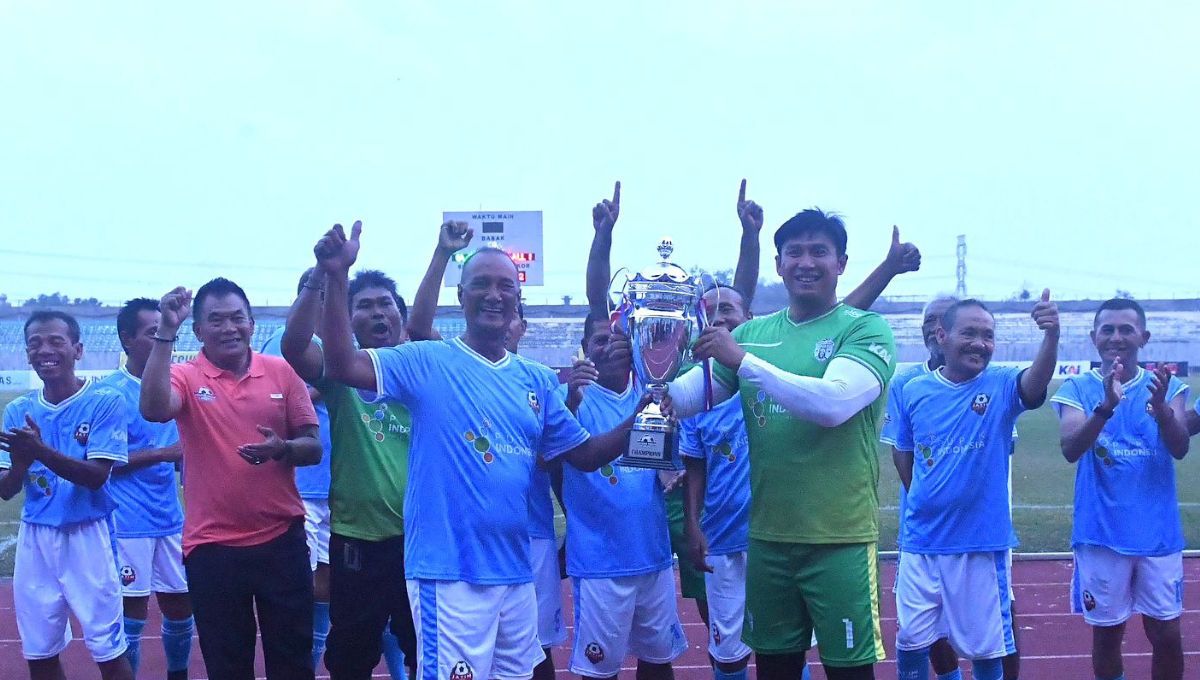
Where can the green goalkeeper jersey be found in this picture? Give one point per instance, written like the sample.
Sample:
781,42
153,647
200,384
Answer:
813,484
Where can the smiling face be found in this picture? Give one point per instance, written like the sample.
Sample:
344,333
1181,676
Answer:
489,293
1119,334
725,307
375,318
968,344
51,350
810,266
224,327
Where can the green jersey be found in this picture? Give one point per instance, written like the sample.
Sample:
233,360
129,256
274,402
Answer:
813,484
369,465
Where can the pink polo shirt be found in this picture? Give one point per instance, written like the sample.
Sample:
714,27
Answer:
228,500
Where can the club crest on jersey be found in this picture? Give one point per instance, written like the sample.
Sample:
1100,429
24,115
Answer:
533,402
205,394
823,350
462,671
1149,408
128,575
593,652
980,403
81,433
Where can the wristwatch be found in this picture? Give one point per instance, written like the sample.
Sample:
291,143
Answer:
1104,413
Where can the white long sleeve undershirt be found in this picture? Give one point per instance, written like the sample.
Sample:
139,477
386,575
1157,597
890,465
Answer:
846,388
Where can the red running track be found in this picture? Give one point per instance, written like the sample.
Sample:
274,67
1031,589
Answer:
1055,644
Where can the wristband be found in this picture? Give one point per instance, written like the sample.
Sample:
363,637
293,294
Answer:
1104,413
170,340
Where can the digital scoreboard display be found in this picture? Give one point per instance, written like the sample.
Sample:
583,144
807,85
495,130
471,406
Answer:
519,234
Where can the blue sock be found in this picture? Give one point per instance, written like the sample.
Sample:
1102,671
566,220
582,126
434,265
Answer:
912,664
133,635
804,674
320,631
392,656
952,675
177,642
718,674
987,669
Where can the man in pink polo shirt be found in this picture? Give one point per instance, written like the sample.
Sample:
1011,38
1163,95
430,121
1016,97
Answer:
245,422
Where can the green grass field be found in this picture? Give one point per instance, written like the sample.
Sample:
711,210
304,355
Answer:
1043,490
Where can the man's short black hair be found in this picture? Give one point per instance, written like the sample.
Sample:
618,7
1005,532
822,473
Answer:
373,278
951,312
1116,304
589,321
44,315
813,221
127,318
219,286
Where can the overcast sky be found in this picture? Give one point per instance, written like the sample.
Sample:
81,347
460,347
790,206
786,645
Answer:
146,145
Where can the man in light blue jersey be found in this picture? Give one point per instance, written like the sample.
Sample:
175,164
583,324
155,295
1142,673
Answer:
312,482
148,521
482,419
1125,427
953,576
59,444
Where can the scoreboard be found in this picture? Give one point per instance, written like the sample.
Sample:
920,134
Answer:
519,234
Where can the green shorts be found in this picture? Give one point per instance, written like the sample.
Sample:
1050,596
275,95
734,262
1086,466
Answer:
691,582
796,589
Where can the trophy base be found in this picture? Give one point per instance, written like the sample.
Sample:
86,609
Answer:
651,443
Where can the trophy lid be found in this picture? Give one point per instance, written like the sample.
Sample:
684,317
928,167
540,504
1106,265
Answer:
664,270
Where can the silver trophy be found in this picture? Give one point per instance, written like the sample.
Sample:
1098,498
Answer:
661,314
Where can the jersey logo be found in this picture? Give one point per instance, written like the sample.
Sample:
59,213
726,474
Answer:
759,408
594,653
716,634
381,422
725,450
128,575
610,472
1149,408
926,454
1089,601
482,444
881,352
980,403
533,402
462,671
852,313
81,433
205,394
823,350
41,482
1102,454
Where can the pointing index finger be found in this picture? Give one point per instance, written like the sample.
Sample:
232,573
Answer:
617,193
742,192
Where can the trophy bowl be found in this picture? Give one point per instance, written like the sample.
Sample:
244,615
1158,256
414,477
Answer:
660,315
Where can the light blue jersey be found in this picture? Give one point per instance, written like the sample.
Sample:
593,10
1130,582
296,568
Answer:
147,498
312,481
616,516
88,425
478,427
1125,483
961,438
541,505
719,437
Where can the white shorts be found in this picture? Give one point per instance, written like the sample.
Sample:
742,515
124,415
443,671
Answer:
625,615
726,590
67,570
151,565
547,588
472,632
963,597
1012,594
316,531
1108,587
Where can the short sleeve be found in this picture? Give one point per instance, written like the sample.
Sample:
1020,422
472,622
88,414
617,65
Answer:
179,385
1067,395
561,431
10,422
300,411
690,444
1012,391
869,342
108,436
1176,387
904,440
891,414
400,370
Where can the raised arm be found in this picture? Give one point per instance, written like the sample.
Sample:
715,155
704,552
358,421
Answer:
1036,378
297,345
1168,414
335,255
745,277
452,237
599,269
157,401
900,258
